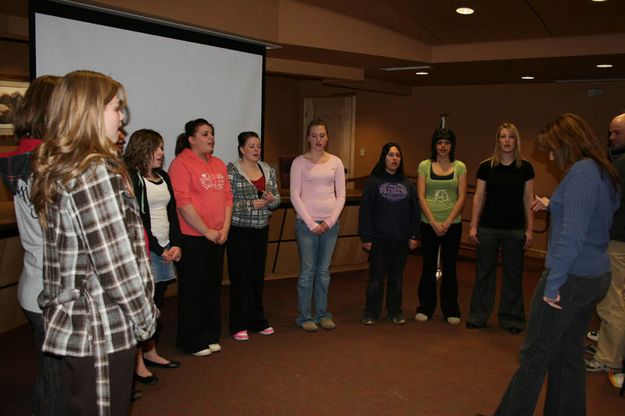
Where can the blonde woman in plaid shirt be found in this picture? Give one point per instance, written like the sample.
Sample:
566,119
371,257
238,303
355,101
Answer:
255,193
98,286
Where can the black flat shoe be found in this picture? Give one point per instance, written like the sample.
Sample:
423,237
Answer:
170,364
471,325
149,380
514,330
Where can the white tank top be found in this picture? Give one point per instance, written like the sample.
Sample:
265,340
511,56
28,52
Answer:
158,198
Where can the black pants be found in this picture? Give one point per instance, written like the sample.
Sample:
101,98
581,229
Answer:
247,253
199,289
385,261
80,383
159,295
48,390
449,244
511,313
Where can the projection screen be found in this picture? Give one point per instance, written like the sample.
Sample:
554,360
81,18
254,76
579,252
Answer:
171,75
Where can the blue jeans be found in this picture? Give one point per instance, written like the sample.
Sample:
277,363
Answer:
555,345
161,270
315,253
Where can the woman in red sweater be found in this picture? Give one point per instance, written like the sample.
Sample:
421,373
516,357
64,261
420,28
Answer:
204,200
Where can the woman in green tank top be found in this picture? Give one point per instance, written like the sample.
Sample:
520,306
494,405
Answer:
441,187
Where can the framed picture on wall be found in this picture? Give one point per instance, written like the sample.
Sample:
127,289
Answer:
11,96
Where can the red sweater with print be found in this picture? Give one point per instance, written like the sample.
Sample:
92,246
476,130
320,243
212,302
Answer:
203,184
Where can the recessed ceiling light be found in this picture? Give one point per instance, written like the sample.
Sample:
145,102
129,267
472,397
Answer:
406,68
465,10
599,1
422,73
527,77
604,66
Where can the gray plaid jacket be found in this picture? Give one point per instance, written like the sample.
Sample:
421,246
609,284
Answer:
98,285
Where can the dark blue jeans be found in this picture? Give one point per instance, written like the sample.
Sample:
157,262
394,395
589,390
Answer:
386,261
554,345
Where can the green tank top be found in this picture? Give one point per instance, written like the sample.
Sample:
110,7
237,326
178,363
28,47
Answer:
441,194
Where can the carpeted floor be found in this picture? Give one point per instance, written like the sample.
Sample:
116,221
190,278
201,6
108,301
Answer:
414,369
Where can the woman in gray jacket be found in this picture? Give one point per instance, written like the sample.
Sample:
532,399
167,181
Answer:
255,193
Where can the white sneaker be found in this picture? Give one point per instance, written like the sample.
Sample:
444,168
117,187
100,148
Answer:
593,335
421,317
214,347
595,366
453,320
202,353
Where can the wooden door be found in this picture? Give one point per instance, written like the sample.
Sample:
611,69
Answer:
339,113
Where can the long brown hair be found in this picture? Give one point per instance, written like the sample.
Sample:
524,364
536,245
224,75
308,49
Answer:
30,118
140,149
75,135
570,139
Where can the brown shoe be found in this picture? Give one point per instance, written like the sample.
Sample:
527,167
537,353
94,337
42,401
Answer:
327,323
310,326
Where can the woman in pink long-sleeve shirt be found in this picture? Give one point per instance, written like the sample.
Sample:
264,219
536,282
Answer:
318,196
204,200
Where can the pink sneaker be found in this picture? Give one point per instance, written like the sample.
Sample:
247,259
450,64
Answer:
241,336
267,331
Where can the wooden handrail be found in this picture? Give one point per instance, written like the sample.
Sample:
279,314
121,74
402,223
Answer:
360,181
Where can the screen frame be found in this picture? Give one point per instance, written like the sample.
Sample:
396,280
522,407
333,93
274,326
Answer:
137,23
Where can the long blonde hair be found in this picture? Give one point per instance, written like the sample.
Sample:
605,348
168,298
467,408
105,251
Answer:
496,159
76,135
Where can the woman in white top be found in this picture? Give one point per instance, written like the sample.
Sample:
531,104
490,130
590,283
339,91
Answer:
144,158
318,196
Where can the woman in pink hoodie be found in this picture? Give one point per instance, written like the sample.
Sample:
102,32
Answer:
204,200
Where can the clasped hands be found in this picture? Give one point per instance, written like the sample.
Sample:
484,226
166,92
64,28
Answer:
171,254
266,199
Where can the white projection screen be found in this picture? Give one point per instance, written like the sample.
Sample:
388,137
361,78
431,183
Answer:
171,75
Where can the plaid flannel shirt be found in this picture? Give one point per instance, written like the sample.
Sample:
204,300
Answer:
244,192
98,285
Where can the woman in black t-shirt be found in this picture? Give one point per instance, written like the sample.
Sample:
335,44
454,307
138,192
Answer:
501,218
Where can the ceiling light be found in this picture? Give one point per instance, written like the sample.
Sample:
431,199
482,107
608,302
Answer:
605,66
422,73
599,1
527,77
465,10
406,68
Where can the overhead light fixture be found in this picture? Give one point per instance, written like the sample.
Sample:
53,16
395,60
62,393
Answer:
406,68
465,10
605,66
527,77
599,1
422,73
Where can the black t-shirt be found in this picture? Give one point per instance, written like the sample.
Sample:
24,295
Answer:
504,208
